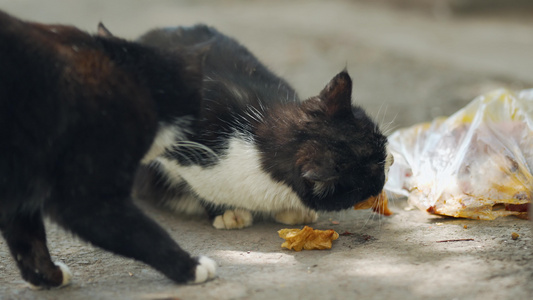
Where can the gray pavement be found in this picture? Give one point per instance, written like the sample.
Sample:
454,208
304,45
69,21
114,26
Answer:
409,66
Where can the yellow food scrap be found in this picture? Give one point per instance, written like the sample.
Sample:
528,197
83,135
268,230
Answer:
514,235
307,238
378,204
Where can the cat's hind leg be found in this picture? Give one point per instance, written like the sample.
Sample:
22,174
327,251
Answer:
224,217
26,238
115,224
233,219
296,216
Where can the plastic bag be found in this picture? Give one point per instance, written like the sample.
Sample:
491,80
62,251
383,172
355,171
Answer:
475,164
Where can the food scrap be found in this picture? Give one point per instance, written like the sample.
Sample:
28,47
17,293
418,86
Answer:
307,238
378,204
515,236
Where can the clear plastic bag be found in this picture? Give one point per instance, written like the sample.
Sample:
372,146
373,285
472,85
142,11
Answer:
475,164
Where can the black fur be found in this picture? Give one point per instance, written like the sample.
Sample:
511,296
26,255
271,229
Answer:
77,114
324,141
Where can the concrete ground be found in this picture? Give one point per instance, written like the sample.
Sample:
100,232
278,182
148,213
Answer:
409,66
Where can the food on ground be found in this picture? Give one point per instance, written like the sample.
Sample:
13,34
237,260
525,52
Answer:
307,238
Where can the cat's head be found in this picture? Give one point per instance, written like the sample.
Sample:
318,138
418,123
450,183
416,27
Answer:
328,150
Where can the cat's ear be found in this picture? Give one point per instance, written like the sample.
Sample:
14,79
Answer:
103,31
337,95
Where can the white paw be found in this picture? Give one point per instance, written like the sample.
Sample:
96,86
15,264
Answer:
233,219
296,216
67,276
205,269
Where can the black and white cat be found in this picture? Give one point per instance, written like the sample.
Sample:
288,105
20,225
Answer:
77,114
258,149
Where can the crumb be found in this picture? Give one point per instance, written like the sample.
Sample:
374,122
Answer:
335,222
514,235
465,227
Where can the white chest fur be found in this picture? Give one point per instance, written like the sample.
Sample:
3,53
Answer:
166,137
237,180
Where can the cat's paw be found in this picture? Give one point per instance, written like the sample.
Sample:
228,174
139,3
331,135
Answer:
205,270
294,216
66,275
233,219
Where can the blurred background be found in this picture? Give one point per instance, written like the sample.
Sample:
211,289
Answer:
411,60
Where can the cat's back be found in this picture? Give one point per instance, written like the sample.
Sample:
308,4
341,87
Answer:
60,92
26,46
223,56
232,74
51,71
44,66
238,90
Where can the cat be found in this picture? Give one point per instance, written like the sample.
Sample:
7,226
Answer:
258,149
77,114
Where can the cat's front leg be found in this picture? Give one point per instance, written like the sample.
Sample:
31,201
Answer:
124,229
296,216
233,219
26,238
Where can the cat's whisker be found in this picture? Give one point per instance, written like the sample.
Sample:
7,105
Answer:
384,114
196,150
253,113
388,128
368,219
258,112
183,154
185,157
379,111
209,79
381,125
